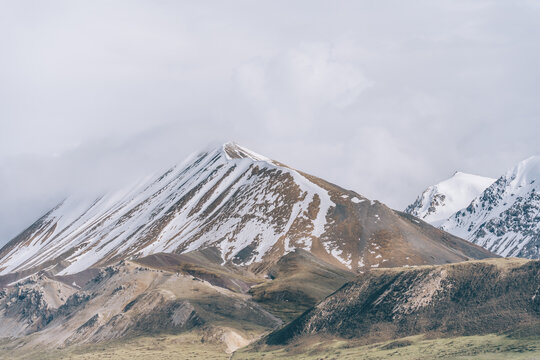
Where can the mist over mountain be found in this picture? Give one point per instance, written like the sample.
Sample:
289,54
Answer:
129,87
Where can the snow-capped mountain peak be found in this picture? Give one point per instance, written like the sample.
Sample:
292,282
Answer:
249,208
234,151
505,218
441,200
175,211
525,173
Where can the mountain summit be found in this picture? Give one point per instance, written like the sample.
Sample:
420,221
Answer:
249,208
505,218
442,200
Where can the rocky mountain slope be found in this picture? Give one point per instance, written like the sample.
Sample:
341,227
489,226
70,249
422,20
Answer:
130,299
476,297
190,294
505,218
440,201
252,209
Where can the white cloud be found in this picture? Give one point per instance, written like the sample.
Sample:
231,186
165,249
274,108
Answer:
303,80
381,97
290,89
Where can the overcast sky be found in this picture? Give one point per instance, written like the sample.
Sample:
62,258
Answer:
382,97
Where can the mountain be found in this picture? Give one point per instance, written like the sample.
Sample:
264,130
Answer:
505,218
253,210
438,202
218,251
468,298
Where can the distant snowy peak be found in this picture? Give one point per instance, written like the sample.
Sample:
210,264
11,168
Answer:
505,218
442,200
525,174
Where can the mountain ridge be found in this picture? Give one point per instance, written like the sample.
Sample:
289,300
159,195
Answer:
253,209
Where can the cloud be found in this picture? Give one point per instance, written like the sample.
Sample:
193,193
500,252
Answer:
307,76
381,97
288,90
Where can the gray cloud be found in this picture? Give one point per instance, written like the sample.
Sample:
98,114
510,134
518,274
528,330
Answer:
381,97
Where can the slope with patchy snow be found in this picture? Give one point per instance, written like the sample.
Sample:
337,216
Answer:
252,209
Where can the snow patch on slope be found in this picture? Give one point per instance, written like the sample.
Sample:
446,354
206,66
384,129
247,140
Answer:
217,198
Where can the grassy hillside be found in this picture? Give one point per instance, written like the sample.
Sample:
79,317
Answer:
197,345
411,348
463,299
